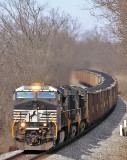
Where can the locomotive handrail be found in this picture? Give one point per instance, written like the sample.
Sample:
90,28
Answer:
79,118
54,123
14,124
69,123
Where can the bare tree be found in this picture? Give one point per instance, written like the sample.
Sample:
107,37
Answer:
115,12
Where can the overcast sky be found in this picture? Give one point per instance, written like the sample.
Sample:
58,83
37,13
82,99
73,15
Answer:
75,9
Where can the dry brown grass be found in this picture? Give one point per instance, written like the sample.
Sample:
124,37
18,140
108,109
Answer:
122,152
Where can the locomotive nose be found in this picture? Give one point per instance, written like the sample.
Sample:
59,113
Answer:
34,137
34,140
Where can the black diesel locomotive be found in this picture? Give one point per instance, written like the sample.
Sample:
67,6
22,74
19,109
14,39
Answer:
45,116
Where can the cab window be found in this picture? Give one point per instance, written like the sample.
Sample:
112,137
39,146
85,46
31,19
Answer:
25,95
46,95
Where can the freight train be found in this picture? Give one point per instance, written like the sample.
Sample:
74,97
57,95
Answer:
45,116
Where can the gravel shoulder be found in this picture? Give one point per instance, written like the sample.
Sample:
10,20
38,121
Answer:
102,143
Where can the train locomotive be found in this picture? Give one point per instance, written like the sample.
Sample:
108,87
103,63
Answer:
45,116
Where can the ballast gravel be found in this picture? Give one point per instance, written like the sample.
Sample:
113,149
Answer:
102,143
9,154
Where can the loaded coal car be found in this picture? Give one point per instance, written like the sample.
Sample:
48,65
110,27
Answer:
102,94
45,116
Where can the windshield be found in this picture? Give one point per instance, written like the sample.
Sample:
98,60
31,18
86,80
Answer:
46,95
25,94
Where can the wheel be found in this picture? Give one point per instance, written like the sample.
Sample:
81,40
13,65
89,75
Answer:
83,126
73,131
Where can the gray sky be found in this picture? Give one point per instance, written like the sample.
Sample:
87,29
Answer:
74,8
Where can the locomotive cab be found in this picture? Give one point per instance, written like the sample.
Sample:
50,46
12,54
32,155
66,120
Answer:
35,117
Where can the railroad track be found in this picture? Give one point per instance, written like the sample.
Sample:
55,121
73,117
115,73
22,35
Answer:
32,155
35,155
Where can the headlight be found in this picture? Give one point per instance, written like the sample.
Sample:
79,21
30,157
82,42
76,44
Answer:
23,124
45,124
36,88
